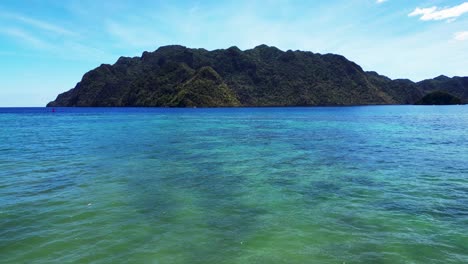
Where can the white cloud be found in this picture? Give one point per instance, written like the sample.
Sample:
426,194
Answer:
461,36
436,13
381,1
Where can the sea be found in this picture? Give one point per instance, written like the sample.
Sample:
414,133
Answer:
361,184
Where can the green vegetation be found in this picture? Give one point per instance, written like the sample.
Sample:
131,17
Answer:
177,76
439,98
205,89
456,86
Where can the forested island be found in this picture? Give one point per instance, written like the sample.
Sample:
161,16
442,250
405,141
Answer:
176,76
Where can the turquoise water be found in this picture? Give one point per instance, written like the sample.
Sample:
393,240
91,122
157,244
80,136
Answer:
381,184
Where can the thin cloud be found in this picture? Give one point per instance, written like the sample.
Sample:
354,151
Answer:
436,13
460,36
37,23
68,50
25,37
381,1
134,36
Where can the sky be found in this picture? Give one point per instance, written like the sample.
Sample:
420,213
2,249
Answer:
47,45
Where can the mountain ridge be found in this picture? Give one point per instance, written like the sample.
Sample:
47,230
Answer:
262,76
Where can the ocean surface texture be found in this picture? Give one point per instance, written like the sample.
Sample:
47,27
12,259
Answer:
380,184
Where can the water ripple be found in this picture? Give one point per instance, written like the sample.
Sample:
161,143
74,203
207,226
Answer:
294,185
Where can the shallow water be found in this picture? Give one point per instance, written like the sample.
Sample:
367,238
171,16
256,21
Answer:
380,184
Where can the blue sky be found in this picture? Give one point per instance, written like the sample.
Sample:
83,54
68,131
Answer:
47,45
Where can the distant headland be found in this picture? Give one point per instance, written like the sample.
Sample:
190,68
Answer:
176,76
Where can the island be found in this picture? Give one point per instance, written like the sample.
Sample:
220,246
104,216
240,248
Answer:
177,76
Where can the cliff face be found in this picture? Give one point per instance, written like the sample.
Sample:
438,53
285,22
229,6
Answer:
263,76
